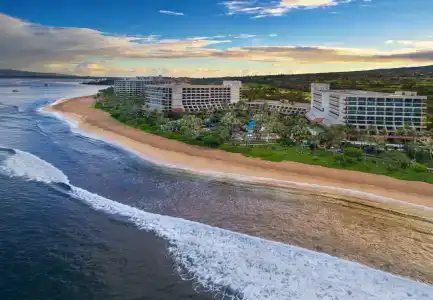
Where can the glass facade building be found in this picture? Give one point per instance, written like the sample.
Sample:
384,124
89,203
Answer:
363,109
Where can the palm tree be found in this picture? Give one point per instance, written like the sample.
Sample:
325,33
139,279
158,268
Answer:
228,121
299,132
350,132
190,125
364,137
429,146
334,135
414,145
316,139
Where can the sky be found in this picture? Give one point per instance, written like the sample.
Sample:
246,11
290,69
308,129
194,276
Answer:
210,38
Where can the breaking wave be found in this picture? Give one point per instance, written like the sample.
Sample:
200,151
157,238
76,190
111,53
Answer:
236,265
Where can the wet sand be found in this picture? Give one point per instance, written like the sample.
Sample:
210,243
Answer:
392,236
347,228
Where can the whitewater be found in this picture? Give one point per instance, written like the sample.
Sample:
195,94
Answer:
235,265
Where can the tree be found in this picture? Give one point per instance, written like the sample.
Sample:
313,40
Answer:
190,125
227,122
364,137
274,125
414,146
350,132
429,122
334,135
429,148
225,134
170,126
299,132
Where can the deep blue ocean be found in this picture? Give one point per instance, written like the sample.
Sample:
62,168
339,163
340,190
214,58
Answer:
83,219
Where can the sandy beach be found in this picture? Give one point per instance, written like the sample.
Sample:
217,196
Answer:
375,220
203,160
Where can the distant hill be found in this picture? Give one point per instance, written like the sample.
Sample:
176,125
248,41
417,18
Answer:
381,79
20,74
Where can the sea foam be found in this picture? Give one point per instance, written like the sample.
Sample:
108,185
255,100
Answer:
235,265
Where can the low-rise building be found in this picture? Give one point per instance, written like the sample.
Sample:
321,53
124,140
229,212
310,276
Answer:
291,109
363,109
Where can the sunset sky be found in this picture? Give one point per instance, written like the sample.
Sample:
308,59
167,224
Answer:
204,38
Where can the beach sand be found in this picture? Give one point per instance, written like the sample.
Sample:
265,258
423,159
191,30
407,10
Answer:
375,220
204,160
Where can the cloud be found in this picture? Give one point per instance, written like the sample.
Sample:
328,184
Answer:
244,36
323,55
172,13
273,35
413,44
25,45
33,47
275,9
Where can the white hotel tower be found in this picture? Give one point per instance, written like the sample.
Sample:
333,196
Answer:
362,108
165,95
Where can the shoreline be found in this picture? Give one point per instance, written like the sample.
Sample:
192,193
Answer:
371,188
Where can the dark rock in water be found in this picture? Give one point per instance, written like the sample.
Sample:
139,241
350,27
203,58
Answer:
64,186
7,150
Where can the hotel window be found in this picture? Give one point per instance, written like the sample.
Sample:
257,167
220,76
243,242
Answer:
389,101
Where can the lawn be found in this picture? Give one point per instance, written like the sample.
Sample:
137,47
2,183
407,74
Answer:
328,159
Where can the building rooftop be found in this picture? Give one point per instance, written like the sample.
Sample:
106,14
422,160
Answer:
296,104
187,85
376,94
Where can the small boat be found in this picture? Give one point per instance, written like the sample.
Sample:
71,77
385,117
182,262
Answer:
46,84
15,91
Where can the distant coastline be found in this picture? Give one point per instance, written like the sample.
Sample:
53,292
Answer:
100,82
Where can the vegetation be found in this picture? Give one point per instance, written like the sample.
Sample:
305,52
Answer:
265,92
277,138
418,79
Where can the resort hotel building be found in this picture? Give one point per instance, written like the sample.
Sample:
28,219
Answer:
135,87
363,109
165,94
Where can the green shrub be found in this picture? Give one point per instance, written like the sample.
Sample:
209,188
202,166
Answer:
396,159
339,158
98,105
145,127
212,141
288,142
419,168
349,160
353,152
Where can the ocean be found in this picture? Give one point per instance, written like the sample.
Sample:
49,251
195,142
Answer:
84,219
